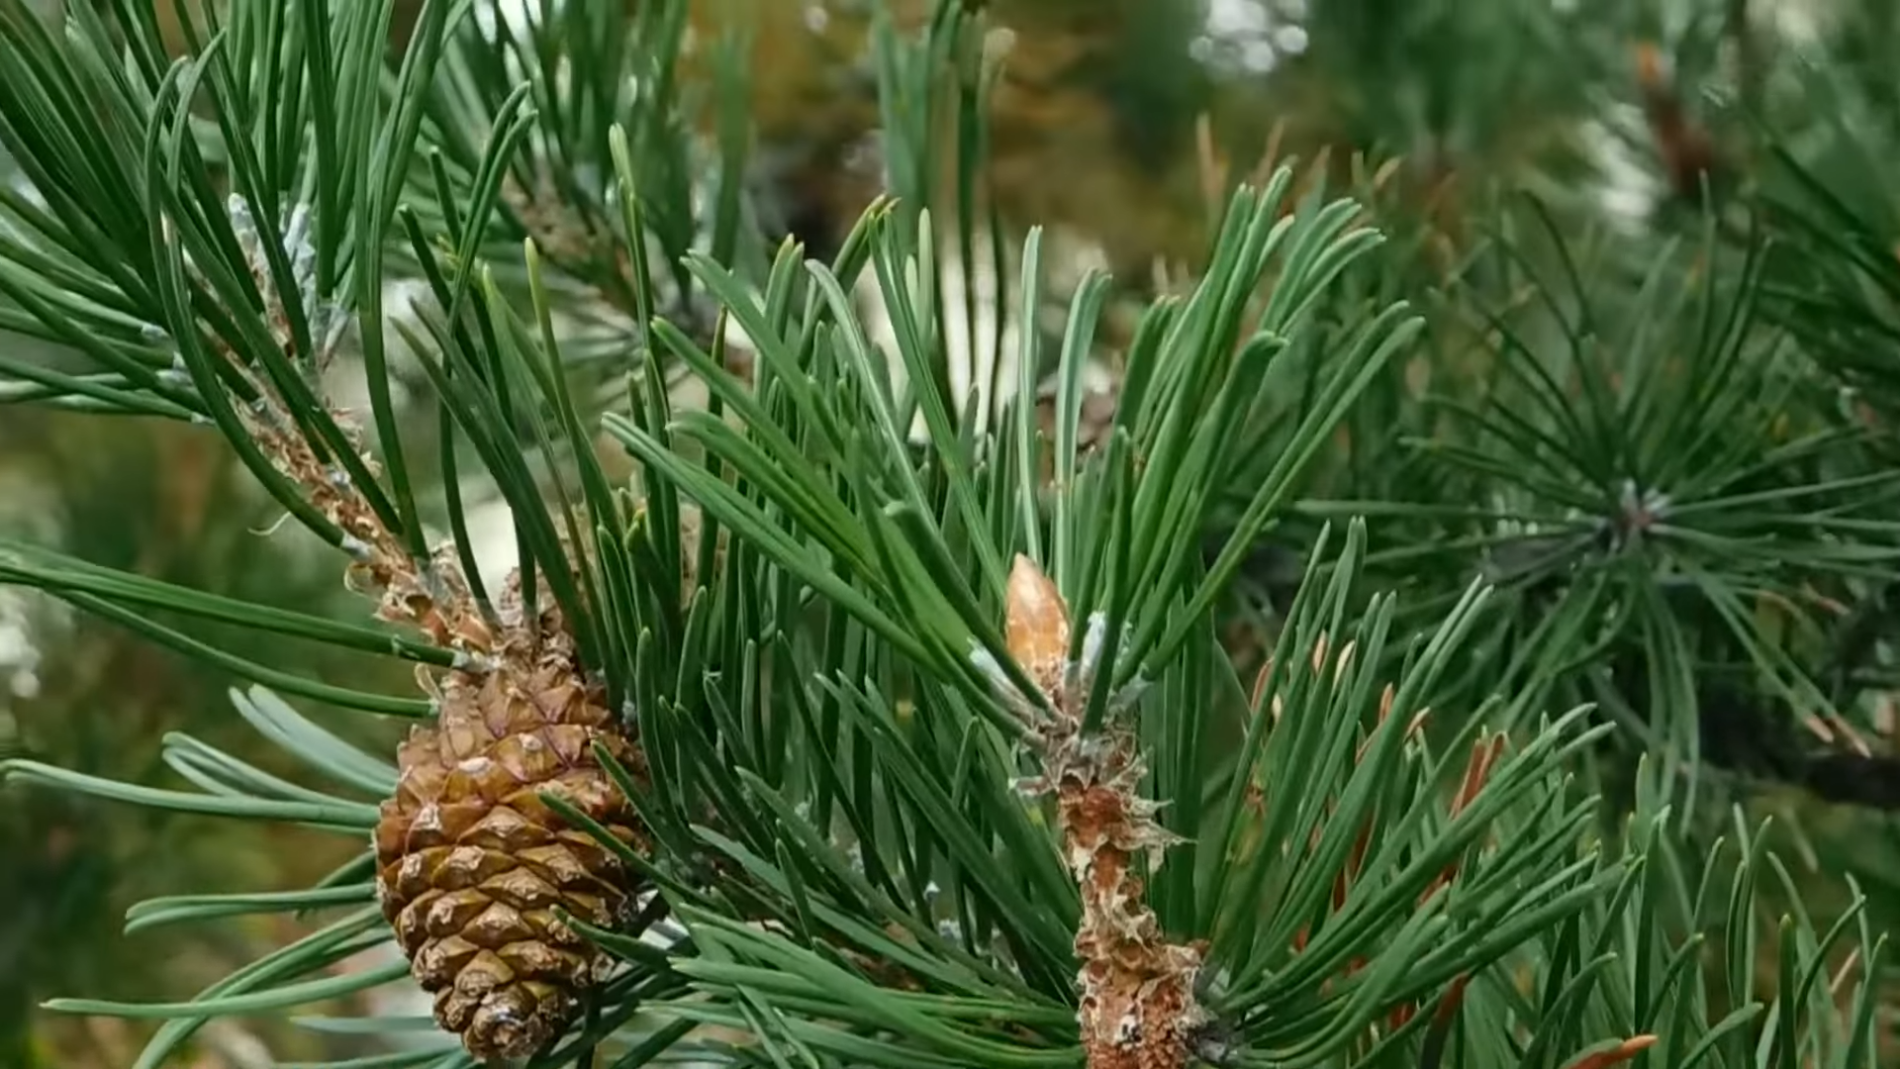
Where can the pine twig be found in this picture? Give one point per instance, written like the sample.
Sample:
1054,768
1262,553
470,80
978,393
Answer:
430,595
1138,1007
466,847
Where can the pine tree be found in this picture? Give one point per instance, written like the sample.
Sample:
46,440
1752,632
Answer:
1353,694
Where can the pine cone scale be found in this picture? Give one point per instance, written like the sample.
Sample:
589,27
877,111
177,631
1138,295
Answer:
444,958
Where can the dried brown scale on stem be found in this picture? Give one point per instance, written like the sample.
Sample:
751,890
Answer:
1138,1009
473,869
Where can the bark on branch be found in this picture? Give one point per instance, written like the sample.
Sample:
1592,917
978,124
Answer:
1138,1008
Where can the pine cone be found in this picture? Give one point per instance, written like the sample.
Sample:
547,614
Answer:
471,865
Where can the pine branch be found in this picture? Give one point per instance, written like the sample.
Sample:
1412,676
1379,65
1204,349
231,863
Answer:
1138,1005
1747,740
787,690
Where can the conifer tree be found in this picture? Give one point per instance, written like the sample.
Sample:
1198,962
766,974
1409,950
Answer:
834,715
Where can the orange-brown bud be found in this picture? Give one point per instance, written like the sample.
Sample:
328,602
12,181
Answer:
1036,624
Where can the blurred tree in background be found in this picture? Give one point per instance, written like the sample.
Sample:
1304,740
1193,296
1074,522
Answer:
1655,246
164,502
